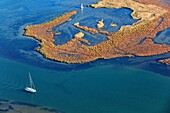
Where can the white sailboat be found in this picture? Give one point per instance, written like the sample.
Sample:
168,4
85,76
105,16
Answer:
82,7
31,87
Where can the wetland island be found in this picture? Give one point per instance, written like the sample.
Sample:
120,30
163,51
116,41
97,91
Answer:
129,41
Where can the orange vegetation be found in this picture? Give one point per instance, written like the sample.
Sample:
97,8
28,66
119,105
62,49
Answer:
125,42
162,3
165,61
140,10
104,32
85,28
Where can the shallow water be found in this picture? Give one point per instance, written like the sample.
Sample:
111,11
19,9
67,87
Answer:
122,85
89,17
7,106
105,89
163,37
16,15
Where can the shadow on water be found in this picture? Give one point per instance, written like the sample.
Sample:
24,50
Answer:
147,63
16,47
29,56
76,89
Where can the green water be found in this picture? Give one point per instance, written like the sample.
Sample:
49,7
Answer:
104,89
110,88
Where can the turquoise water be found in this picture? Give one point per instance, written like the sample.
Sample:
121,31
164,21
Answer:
122,85
102,89
18,14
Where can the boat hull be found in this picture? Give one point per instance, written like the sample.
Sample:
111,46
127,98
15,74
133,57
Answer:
31,90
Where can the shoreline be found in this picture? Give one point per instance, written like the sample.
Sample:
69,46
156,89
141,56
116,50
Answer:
124,42
165,61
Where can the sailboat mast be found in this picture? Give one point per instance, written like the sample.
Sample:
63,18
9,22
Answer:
31,82
31,87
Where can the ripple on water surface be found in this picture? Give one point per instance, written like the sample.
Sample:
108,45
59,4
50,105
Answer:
18,14
89,17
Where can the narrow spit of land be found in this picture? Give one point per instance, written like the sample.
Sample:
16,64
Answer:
125,42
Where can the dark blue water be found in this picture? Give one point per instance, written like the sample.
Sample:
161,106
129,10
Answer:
16,15
163,37
121,85
105,89
89,17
